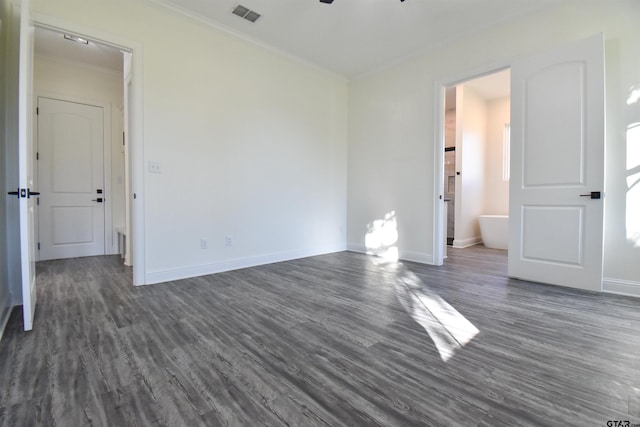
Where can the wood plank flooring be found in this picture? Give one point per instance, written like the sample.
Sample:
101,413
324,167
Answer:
333,340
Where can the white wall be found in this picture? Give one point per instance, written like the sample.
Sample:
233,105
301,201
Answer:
391,157
450,127
251,144
243,124
496,200
471,151
391,123
72,81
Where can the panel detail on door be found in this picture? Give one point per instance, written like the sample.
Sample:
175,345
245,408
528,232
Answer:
72,225
71,153
555,125
551,234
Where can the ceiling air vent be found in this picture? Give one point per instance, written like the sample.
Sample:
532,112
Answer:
246,13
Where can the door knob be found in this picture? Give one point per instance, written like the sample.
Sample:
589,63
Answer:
20,193
32,193
592,195
99,200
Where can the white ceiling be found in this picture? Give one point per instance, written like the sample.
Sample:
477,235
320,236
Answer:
351,37
492,86
53,44
348,37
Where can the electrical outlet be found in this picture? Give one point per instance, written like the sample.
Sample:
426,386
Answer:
204,244
228,241
154,167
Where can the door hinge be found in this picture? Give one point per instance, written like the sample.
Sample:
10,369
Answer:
37,155
37,111
38,245
38,201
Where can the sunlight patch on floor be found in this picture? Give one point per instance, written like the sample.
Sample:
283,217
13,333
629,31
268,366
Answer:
447,327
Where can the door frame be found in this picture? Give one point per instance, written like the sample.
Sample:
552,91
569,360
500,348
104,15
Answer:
106,162
440,88
136,129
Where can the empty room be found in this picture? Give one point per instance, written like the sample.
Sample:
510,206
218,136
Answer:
315,212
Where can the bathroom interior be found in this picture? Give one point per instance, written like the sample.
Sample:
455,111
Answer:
476,162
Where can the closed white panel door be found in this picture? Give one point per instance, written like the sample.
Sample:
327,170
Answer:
71,175
557,137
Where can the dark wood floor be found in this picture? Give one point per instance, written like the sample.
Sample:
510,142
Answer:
329,340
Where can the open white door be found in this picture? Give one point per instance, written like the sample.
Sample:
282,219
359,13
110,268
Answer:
25,154
557,166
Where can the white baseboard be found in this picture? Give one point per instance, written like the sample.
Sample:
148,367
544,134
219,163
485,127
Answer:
418,257
465,243
235,264
621,287
356,247
413,256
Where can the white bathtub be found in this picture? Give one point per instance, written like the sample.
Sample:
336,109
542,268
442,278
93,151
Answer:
494,230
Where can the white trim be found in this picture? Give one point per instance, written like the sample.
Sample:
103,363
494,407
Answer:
61,26
413,256
235,264
74,99
126,114
208,22
465,243
621,287
437,248
419,257
356,247
439,91
136,136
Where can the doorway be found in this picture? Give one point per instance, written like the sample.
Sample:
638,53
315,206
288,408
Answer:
476,161
555,230
79,86
134,195
71,205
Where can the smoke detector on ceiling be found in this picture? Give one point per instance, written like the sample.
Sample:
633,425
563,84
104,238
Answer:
246,13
